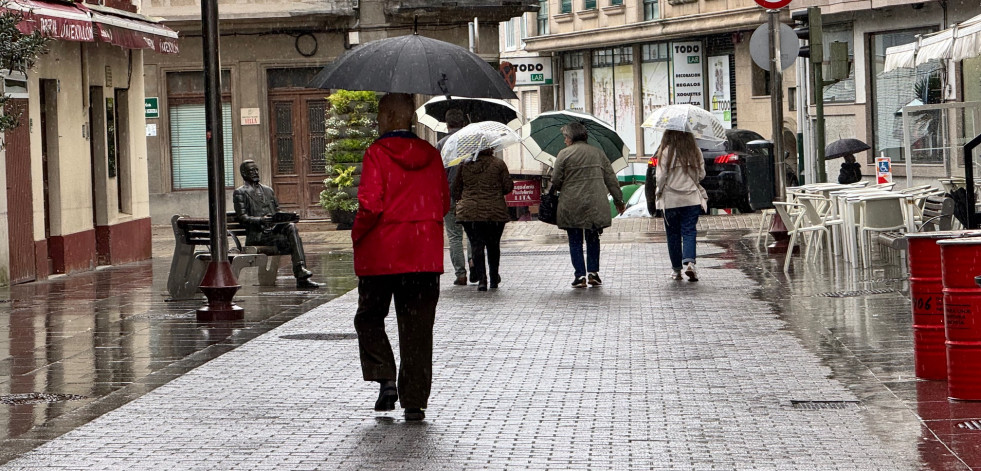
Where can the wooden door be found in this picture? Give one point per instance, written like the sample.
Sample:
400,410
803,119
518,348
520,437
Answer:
297,122
20,201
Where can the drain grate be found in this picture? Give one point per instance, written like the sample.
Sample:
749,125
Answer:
535,252
850,294
824,405
38,398
970,425
320,336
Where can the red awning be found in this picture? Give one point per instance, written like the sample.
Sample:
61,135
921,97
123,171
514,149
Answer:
132,33
54,20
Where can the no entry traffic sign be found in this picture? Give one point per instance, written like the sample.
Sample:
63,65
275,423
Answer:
773,4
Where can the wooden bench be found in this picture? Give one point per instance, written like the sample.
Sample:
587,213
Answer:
938,215
190,262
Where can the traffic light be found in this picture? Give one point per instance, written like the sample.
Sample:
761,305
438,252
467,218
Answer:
807,25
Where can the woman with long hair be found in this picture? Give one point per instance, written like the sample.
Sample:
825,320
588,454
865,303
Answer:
479,191
680,169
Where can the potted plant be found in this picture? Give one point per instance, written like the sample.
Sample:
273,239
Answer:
350,128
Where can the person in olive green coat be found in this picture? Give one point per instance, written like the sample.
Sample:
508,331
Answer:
479,191
583,176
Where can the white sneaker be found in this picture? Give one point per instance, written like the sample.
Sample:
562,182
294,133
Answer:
676,275
690,271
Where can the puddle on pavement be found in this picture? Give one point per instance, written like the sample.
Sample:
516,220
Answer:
79,346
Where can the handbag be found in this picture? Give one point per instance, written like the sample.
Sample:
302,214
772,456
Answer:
548,208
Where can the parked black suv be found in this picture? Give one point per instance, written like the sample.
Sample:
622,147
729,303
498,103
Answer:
726,178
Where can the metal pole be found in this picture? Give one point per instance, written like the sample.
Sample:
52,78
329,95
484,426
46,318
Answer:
212,117
818,85
776,105
218,284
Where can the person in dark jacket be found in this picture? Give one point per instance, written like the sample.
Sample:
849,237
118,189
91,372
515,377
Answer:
455,120
851,171
583,176
398,253
479,190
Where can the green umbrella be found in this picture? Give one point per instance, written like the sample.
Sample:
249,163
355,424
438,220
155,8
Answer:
545,140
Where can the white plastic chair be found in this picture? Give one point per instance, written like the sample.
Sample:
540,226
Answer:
879,214
799,224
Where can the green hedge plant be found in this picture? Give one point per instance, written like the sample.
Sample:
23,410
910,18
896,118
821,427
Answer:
351,126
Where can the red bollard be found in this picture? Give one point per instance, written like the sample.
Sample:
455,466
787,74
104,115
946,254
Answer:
926,290
960,259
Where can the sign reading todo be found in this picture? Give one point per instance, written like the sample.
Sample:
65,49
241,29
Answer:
525,193
689,86
532,70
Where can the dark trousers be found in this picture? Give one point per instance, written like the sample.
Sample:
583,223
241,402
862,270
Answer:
286,239
591,263
485,235
416,295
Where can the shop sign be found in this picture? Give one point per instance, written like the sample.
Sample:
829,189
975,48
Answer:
525,193
532,70
250,116
151,107
688,82
720,100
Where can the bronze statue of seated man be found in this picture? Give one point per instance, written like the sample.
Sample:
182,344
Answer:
257,209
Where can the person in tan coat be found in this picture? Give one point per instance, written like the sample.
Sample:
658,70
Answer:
479,191
583,176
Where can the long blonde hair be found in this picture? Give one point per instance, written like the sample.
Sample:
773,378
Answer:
684,150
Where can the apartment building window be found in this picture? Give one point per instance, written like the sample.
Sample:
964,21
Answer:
524,29
574,81
565,6
655,73
761,81
589,4
542,17
616,2
188,143
652,10
510,41
843,91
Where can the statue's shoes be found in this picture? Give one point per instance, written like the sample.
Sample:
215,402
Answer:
305,283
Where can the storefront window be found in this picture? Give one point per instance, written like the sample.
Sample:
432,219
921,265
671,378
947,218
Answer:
613,91
188,143
900,87
655,69
574,81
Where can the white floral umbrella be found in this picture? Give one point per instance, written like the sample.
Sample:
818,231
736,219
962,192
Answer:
687,118
475,137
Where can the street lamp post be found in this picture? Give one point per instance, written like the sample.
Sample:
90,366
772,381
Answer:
219,284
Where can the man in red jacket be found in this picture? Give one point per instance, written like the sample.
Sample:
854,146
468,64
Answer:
398,252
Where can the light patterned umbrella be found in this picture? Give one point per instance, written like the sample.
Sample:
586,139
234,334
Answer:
471,139
687,118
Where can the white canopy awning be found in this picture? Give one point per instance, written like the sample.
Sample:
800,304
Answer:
958,42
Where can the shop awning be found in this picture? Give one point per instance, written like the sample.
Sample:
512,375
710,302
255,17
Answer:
958,42
55,20
132,33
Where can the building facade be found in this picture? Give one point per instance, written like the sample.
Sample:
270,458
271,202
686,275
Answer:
621,59
75,168
269,52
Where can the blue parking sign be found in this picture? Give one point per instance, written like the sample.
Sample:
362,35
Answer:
883,166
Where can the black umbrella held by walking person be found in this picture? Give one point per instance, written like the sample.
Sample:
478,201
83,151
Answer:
414,64
843,147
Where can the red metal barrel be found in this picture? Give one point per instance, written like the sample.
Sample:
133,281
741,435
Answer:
961,262
927,298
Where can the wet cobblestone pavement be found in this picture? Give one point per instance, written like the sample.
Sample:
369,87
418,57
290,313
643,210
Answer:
747,369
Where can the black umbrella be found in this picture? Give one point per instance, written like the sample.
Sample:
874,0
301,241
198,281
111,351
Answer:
433,112
844,146
414,64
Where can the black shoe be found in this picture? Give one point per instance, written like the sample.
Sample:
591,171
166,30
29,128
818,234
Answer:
482,284
494,281
305,283
594,279
387,395
579,282
414,415
474,276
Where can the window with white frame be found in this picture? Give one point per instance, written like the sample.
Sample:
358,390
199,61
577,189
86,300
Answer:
542,17
510,38
652,10
188,142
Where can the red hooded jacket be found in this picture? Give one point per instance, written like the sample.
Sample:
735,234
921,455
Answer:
401,203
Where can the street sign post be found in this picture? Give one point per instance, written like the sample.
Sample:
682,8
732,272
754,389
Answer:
759,46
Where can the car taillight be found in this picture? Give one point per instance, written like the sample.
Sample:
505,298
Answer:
727,159
652,162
